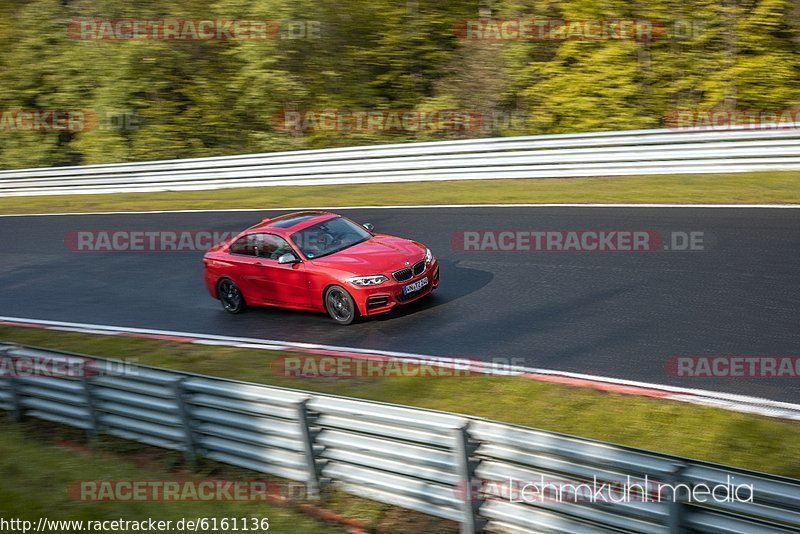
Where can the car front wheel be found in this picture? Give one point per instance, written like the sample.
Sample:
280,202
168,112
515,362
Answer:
230,296
340,305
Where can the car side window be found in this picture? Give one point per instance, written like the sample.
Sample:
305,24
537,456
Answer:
261,245
245,245
271,246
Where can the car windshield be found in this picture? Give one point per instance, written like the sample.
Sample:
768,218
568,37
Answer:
329,237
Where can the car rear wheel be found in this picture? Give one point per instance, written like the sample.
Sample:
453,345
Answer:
340,305
230,296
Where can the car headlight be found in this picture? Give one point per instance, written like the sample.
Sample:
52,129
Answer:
367,280
428,256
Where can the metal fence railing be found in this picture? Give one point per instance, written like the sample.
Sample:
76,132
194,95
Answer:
634,152
465,469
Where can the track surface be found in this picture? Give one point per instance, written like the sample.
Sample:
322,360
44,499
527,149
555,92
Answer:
612,313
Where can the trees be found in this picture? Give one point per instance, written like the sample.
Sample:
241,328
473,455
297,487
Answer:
159,99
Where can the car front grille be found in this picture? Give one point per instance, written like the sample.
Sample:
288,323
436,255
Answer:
409,272
403,274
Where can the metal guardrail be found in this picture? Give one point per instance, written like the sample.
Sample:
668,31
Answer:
451,466
634,152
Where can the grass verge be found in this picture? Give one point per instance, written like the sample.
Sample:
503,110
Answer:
40,460
35,475
733,188
748,441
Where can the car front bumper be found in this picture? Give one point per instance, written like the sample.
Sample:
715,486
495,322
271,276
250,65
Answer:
381,299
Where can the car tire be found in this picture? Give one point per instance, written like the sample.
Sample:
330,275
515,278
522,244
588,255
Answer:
340,305
230,296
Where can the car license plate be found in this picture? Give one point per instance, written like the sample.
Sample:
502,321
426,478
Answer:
419,284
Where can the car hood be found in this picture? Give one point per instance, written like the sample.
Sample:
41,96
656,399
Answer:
382,254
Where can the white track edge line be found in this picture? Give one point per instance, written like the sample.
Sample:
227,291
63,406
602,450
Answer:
417,206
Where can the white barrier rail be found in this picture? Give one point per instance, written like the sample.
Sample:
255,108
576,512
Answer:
447,465
634,152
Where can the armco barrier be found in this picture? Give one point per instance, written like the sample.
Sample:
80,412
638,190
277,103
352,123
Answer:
451,466
633,152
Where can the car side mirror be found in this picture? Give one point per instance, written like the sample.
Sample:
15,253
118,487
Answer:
288,258
369,227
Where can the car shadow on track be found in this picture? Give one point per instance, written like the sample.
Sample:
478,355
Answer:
456,282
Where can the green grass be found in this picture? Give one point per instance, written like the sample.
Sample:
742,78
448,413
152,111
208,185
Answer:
736,188
35,474
743,440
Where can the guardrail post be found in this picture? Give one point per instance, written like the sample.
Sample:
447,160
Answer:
677,508
190,446
13,385
465,468
91,432
312,482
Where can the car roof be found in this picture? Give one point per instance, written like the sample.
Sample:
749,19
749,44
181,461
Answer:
292,222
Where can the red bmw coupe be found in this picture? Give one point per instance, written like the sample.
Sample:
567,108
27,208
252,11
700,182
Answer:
319,261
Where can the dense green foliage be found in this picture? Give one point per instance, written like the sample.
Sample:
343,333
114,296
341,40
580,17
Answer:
204,98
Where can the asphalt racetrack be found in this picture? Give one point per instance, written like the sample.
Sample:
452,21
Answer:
616,314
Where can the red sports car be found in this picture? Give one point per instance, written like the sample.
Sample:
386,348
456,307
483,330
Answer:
319,261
